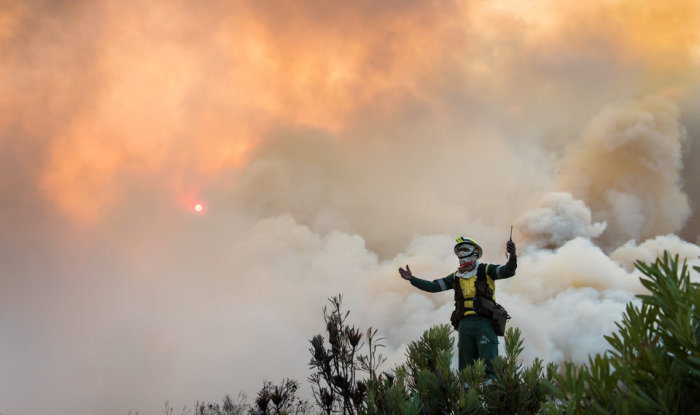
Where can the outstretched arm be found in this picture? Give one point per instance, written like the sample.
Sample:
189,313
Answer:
434,286
508,269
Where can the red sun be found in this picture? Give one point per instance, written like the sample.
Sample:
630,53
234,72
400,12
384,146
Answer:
198,207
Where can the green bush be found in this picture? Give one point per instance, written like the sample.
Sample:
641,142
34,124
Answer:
518,389
653,366
425,384
335,379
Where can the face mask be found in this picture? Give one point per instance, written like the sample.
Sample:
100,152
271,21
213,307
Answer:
467,255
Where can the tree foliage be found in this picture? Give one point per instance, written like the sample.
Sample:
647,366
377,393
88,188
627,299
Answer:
271,399
653,366
334,381
426,384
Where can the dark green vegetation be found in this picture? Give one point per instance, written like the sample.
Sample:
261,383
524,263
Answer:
652,367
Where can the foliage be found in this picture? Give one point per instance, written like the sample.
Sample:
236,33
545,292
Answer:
271,399
280,400
653,366
518,389
425,384
427,372
334,381
228,407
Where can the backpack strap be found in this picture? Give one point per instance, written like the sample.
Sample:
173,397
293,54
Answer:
458,312
482,286
459,295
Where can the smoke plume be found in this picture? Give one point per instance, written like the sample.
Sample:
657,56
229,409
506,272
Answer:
330,143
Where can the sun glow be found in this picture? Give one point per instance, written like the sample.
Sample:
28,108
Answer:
198,207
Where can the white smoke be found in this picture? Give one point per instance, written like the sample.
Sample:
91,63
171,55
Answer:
558,220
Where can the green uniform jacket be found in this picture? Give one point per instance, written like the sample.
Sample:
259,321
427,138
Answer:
493,272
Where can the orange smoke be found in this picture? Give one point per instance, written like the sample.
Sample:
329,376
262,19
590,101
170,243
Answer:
167,98
173,88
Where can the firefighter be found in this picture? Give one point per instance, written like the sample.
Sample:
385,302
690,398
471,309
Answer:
474,317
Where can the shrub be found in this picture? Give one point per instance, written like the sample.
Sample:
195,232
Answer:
653,366
271,399
280,400
425,384
334,381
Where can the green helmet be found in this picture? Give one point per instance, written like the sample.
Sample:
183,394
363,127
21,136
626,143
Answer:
462,240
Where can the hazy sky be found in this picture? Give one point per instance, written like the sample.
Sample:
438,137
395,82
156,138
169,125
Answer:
330,143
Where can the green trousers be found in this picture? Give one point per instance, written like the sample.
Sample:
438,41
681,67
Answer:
477,340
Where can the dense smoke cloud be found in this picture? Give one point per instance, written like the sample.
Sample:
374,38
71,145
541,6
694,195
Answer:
331,144
627,168
559,220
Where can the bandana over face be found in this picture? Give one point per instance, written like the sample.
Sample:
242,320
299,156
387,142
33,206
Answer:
467,255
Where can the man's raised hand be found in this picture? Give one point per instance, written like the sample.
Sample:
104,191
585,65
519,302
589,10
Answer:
406,273
510,249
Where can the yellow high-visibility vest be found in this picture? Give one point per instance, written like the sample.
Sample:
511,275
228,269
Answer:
468,287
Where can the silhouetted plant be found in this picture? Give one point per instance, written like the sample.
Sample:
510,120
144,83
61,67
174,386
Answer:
334,382
270,399
168,410
228,407
280,400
